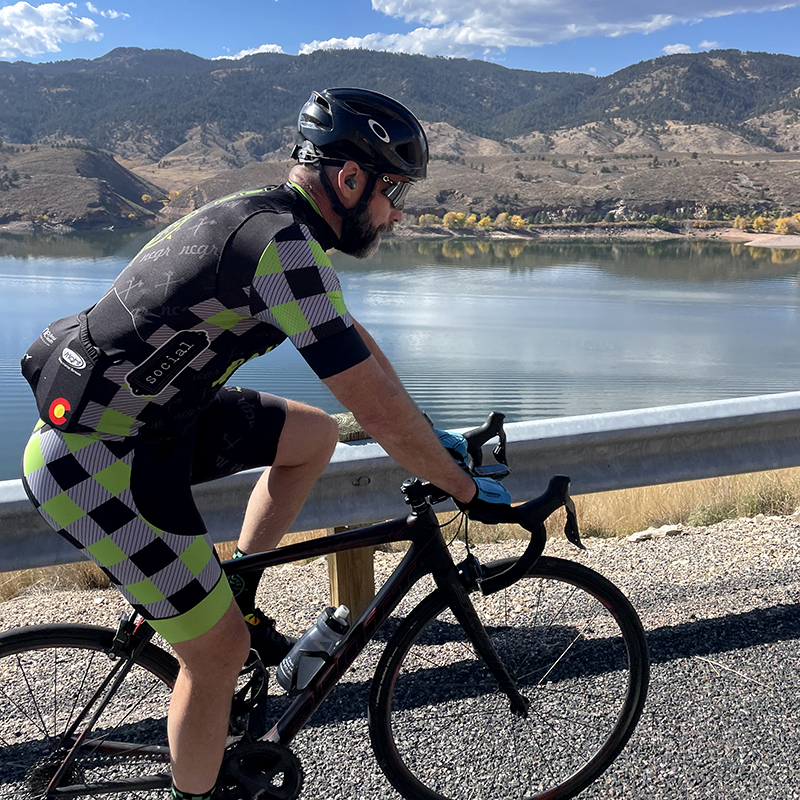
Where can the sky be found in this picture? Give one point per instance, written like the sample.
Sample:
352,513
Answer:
587,36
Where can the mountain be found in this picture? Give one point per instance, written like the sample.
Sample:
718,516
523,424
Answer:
146,102
533,142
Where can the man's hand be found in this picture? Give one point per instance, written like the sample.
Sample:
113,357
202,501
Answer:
491,503
455,444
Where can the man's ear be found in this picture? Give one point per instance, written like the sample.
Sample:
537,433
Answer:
349,181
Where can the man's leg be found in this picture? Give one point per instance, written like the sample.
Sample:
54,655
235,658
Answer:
201,701
305,447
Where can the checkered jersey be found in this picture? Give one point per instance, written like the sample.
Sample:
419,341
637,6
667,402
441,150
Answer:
225,284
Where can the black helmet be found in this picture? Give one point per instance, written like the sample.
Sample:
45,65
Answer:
378,133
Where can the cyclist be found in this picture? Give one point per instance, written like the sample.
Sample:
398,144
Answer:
135,404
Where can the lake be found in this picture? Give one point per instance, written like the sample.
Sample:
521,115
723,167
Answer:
532,329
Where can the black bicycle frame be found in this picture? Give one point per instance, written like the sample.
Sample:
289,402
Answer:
427,555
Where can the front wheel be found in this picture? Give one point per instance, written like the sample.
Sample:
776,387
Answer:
441,729
51,680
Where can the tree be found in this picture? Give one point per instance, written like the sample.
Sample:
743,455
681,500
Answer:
740,223
658,221
517,223
762,224
428,219
485,223
454,219
501,220
787,226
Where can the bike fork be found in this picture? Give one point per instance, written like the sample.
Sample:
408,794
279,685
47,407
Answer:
468,618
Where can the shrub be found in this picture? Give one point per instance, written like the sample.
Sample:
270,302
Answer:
786,226
659,221
762,224
740,223
428,219
454,219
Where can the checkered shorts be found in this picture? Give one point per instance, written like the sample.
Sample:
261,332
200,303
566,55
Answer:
81,485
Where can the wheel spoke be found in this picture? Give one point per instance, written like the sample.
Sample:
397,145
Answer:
442,728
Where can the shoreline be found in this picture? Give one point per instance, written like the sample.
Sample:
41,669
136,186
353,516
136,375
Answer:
566,233
605,233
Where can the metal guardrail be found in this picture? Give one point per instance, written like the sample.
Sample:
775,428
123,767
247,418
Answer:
599,452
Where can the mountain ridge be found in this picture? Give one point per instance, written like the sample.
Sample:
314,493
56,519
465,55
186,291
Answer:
500,138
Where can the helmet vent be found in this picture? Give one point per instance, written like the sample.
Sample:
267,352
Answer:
360,108
406,152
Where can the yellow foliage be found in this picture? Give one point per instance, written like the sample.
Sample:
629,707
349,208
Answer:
762,224
501,220
471,221
428,219
454,219
146,198
517,223
786,226
485,223
740,223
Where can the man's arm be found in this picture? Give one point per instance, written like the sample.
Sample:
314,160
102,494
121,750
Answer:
380,403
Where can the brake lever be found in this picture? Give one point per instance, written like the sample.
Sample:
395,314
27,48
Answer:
477,437
571,525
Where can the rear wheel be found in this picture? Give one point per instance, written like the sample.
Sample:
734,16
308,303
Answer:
49,676
574,644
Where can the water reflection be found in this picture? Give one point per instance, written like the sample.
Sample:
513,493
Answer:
535,329
686,260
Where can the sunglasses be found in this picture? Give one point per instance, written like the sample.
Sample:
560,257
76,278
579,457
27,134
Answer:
396,191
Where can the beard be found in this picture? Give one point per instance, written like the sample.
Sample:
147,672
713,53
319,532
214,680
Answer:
360,236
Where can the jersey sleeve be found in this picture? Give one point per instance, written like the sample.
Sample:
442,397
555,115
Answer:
296,290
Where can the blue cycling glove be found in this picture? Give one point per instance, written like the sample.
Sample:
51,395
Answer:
491,504
455,444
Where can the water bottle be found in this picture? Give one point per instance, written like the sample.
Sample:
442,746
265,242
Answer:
312,650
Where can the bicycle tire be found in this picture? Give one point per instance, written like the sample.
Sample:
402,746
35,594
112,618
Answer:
440,728
47,674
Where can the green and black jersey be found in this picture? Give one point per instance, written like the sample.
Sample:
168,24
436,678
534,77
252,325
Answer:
225,284
133,400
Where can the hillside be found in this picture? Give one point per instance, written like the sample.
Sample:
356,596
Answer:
73,188
678,132
570,188
138,103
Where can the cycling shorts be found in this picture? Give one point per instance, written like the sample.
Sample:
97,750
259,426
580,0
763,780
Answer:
126,504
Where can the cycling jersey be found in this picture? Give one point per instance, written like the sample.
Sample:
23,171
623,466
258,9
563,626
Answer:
138,376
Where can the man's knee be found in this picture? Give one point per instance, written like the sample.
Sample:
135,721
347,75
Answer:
219,653
309,433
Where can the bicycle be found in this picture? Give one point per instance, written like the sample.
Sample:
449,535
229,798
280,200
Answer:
520,678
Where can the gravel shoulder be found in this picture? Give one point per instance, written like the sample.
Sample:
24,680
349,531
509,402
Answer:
721,606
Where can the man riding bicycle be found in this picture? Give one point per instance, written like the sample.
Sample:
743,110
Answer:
135,406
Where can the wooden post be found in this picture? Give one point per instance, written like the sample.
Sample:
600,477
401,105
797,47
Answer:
351,573
352,578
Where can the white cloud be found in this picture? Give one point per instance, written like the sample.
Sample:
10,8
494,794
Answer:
706,45
455,28
110,14
264,48
672,49
27,30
